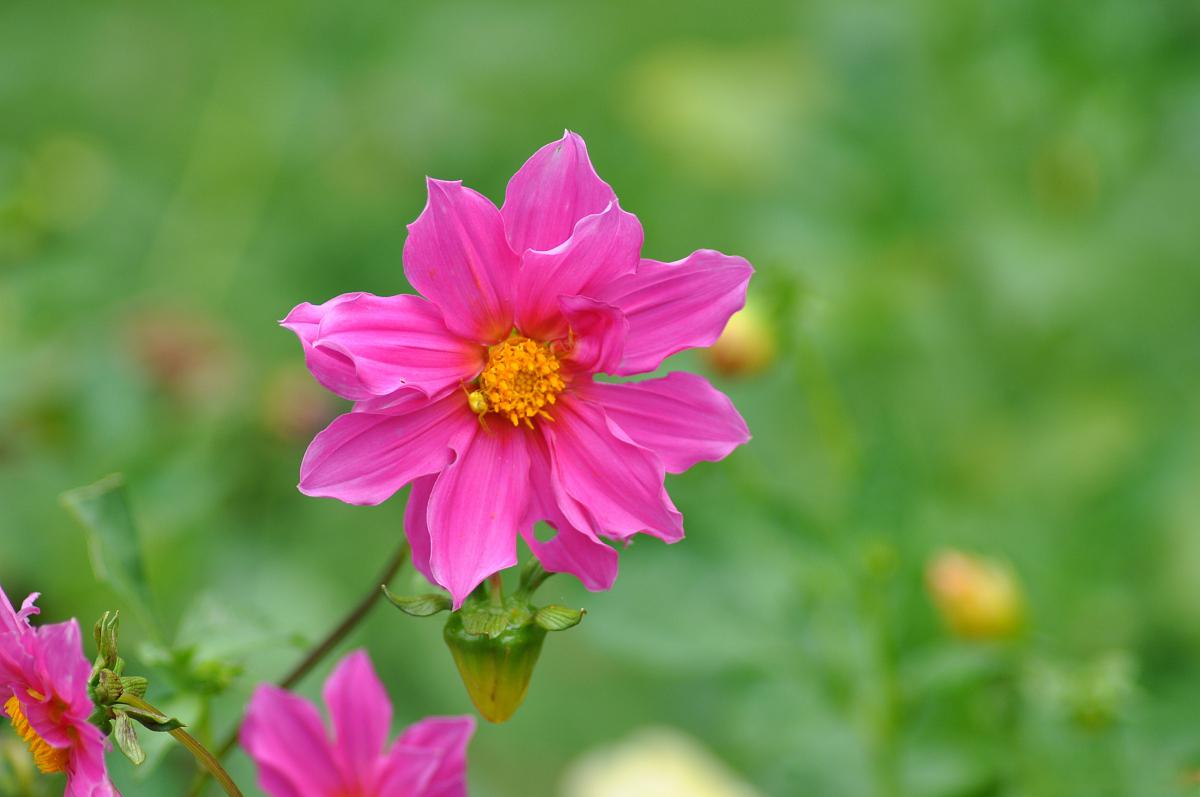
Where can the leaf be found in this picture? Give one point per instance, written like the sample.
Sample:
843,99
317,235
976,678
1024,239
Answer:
418,605
103,511
150,717
125,734
558,618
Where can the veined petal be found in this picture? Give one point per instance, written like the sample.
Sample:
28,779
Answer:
361,712
456,255
364,458
601,468
406,772
572,550
446,738
598,330
476,505
284,736
332,369
680,417
676,306
416,524
397,341
555,188
602,248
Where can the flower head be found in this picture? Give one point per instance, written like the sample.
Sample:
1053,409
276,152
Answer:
481,394
44,694
977,598
285,736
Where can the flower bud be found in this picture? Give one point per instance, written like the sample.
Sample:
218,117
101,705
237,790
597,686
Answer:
495,669
746,347
977,598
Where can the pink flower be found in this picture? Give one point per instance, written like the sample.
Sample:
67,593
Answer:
44,692
286,738
481,394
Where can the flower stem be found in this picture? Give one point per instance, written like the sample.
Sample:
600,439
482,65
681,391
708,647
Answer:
322,649
496,589
203,757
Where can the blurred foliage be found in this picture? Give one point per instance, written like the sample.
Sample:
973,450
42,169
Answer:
974,228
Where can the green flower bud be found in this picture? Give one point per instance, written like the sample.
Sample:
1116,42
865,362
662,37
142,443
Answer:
495,669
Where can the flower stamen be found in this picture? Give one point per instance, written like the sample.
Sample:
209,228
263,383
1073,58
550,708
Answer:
48,759
520,380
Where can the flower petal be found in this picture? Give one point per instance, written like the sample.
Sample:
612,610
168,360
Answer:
284,736
602,248
364,458
599,331
555,188
332,369
406,772
394,341
572,550
619,482
361,712
675,306
476,506
457,257
680,417
416,524
447,737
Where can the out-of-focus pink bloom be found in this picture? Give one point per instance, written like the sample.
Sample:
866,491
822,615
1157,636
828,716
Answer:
481,394
44,692
286,737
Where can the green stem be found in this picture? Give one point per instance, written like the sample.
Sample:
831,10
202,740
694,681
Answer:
203,757
322,649
495,585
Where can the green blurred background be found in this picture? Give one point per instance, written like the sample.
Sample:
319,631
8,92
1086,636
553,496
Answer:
976,232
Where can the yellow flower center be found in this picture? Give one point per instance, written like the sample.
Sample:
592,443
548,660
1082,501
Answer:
48,759
519,381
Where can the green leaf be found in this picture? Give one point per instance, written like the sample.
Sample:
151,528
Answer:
151,718
558,618
103,511
418,605
125,734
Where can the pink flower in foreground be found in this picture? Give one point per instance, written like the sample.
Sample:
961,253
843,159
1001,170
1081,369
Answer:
286,738
44,693
481,394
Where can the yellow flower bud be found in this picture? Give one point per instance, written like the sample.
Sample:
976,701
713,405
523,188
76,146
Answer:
976,597
746,347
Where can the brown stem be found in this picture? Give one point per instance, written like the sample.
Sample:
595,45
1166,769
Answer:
331,641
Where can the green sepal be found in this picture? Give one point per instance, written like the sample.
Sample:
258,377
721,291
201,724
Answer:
558,618
135,685
485,621
150,718
125,735
495,669
105,632
418,605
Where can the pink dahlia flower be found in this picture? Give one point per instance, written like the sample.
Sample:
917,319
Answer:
286,738
44,692
481,394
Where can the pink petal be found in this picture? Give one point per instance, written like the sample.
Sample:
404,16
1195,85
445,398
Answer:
680,417
599,331
447,738
284,736
603,247
87,774
362,717
394,341
416,524
332,369
457,257
572,550
620,483
406,772
364,458
555,188
675,306
476,506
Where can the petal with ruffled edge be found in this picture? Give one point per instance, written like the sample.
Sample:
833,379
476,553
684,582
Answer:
572,550
361,712
416,524
364,458
601,468
332,369
680,417
602,248
397,341
552,191
476,506
598,330
456,256
446,738
285,737
676,306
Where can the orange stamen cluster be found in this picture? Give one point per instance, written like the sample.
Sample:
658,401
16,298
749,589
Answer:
48,759
520,380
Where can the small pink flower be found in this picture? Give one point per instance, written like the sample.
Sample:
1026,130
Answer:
286,738
44,693
481,394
